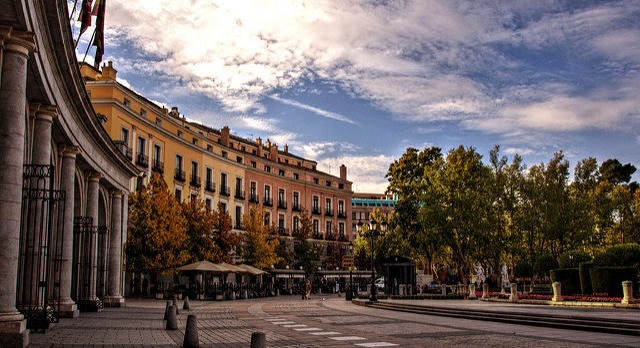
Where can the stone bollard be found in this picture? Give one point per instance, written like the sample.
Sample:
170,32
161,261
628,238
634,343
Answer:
557,292
175,304
166,310
245,294
444,289
277,292
409,290
191,333
514,292
472,292
233,295
185,305
627,289
258,340
172,319
485,291
401,289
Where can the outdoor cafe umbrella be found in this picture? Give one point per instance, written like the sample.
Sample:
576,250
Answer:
252,270
203,267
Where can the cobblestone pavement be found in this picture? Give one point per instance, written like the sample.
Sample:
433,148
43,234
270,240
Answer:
291,322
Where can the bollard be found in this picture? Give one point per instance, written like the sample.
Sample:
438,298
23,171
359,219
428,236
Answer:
172,319
627,288
401,289
258,340
444,289
485,291
185,305
472,292
245,295
514,292
175,304
191,333
166,310
557,292
233,295
277,292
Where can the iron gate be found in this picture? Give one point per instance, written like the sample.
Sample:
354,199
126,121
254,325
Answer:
84,238
103,261
41,228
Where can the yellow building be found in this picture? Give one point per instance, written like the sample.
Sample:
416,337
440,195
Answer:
155,139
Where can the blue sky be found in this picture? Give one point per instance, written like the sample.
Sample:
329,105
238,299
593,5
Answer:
357,82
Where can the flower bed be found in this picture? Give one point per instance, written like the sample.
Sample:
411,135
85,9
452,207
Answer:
452,296
600,298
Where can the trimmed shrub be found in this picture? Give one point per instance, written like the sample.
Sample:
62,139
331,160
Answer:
624,255
604,260
523,269
569,278
573,258
609,279
544,263
585,277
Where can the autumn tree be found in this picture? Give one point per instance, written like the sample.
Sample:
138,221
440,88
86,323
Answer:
305,254
157,231
225,239
258,249
207,241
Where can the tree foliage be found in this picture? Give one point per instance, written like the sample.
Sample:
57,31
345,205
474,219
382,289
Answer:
258,250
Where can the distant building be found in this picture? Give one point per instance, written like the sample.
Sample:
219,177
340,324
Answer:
363,204
198,161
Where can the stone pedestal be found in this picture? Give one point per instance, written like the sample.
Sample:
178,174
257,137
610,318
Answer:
627,289
444,289
514,293
401,289
69,310
557,292
114,301
485,291
472,292
13,330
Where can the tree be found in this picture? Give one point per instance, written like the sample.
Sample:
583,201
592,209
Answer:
615,173
156,234
227,241
305,255
258,249
199,222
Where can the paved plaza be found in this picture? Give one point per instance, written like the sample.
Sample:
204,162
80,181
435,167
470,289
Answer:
289,321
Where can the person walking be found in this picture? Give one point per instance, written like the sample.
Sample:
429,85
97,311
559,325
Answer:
307,288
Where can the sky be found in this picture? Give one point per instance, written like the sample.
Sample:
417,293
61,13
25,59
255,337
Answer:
358,82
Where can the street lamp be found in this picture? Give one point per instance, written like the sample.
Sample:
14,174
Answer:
373,229
350,294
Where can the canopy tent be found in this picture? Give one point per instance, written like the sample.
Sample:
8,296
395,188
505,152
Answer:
203,267
252,270
233,268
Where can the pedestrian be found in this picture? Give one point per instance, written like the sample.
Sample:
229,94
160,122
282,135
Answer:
307,288
338,288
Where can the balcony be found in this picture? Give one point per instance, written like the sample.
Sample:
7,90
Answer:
318,235
142,160
253,198
283,231
316,211
225,191
268,202
330,236
179,175
342,214
210,186
126,151
343,238
239,193
295,206
328,212
238,225
282,204
157,166
195,180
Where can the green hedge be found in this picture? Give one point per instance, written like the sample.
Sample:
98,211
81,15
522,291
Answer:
569,278
544,263
585,278
609,279
573,258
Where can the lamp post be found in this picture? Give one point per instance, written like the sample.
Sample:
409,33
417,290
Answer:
373,228
349,296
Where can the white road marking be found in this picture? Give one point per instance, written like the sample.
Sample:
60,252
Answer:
309,329
347,338
325,333
283,322
376,344
294,325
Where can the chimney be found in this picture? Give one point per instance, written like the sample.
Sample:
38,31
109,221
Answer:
286,148
174,111
108,72
268,144
224,136
274,152
259,143
165,111
343,172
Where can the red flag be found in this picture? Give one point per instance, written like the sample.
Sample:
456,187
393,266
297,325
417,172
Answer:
85,15
98,39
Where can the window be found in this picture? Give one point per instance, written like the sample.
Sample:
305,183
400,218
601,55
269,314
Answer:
316,207
238,216
238,159
296,176
194,171
328,225
180,134
224,154
281,221
267,192
253,164
179,162
253,194
316,226
194,196
296,200
281,172
223,182
141,145
223,205
328,183
208,185
143,113
178,194
195,141
239,190
267,219
281,200
127,102
341,186
124,136
209,148
328,205
341,228
208,203
296,223
159,121
267,169
341,208
315,181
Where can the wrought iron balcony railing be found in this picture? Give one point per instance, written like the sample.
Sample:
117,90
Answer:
282,204
253,198
225,191
267,201
157,166
195,180
179,175
142,160
210,186
239,193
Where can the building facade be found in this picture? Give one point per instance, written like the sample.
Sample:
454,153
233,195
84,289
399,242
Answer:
218,167
363,204
64,183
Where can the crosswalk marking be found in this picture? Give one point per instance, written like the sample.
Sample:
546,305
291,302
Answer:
308,329
347,338
325,333
294,325
376,344
283,322
274,319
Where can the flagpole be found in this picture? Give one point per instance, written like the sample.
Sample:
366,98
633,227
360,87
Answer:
89,46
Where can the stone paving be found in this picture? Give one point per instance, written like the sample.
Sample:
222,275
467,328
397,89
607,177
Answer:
291,322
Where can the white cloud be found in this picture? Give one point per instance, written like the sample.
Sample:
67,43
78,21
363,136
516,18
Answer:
324,113
366,172
319,149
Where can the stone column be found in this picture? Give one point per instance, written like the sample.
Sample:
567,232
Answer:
557,292
114,298
13,92
41,148
485,291
123,238
68,308
93,194
627,290
5,33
